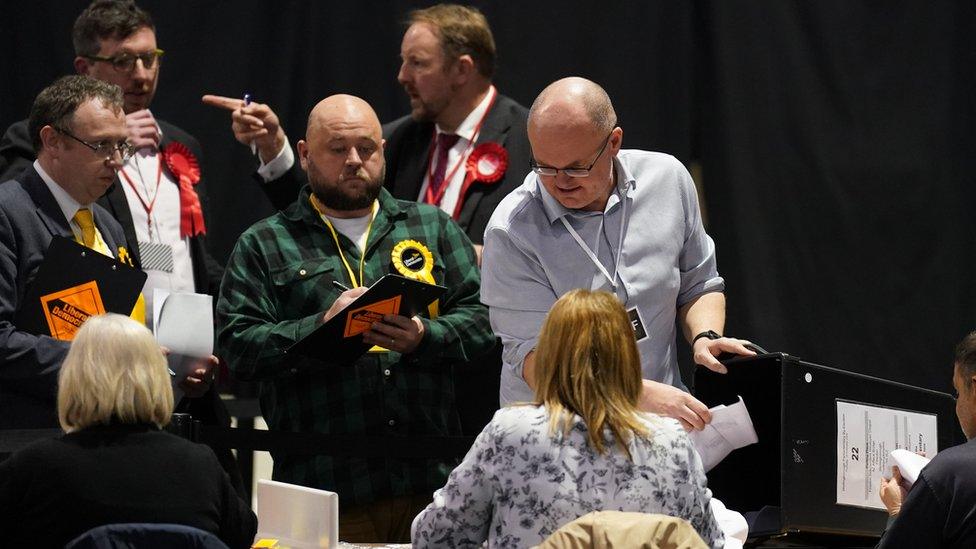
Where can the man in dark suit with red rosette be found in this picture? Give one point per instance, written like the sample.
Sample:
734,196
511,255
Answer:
463,148
158,196
464,145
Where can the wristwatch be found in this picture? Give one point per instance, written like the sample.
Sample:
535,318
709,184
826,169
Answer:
710,334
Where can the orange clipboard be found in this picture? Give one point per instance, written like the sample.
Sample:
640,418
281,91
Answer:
73,283
340,339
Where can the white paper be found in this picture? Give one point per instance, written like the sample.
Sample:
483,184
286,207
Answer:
866,435
184,323
159,296
731,428
909,464
732,524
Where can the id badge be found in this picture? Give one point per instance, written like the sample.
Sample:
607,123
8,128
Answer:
637,322
156,256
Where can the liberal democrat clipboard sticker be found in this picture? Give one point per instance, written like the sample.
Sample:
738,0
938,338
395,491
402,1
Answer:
66,310
362,319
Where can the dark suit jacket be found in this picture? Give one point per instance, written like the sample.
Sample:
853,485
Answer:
16,154
407,149
29,219
55,490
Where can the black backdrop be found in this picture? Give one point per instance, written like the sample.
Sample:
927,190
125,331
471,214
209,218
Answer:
835,139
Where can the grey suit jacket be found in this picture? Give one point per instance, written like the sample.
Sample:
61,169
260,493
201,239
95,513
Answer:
29,219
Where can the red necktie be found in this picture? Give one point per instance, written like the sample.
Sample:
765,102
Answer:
444,143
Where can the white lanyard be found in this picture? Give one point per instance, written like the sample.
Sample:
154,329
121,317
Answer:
592,255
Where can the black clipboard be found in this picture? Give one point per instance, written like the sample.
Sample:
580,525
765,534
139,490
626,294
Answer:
72,283
340,339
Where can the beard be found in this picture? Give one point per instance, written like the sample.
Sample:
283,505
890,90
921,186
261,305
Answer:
337,195
423,113
428,110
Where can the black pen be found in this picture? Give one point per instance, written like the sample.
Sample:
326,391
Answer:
340,285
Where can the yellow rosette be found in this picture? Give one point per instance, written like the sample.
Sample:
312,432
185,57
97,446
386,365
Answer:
414,261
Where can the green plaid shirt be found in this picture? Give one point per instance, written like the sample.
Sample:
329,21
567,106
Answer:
277,286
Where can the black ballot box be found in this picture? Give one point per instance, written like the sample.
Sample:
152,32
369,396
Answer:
790,476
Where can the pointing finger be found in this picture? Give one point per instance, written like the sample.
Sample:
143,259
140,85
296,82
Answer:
219,101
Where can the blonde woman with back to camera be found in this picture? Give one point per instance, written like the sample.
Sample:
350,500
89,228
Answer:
583,446
115,464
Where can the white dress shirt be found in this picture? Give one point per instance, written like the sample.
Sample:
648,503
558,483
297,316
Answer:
458,154
142,169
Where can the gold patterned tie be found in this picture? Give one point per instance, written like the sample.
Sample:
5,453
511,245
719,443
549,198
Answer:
83,217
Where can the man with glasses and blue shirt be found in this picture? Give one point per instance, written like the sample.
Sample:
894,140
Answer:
591,215
78,130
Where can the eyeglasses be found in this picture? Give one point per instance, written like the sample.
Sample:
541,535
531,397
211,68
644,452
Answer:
549,171
126,62
104,149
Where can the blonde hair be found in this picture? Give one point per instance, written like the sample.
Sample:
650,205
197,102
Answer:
587,365
113,371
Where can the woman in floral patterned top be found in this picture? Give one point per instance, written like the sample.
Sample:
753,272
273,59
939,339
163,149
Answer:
585,446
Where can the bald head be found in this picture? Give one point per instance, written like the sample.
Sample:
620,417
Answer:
343,155
572,104
574,137
342,112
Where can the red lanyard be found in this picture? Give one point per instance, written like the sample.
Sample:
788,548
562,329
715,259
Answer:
148,207
436,200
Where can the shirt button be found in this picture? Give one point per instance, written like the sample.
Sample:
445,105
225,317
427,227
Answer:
302,272
386,372
392,423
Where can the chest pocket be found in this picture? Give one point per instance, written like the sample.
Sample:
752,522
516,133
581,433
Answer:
305,287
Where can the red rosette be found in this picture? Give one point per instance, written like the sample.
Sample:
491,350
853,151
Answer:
181,162
487,163
184,166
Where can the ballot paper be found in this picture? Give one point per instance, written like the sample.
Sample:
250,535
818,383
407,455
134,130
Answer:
184,325
909,464
866,436
730,429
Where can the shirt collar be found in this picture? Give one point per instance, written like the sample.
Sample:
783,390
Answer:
69,206
554,210
468,126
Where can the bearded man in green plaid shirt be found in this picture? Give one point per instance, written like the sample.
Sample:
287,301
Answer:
278,287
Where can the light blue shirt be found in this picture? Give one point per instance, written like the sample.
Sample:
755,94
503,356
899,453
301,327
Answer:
530,259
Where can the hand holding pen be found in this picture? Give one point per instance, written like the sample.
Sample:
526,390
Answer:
254,124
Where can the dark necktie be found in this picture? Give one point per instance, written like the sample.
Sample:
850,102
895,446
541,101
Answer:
444,143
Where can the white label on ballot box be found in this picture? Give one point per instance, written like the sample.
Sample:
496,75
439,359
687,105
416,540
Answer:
866,435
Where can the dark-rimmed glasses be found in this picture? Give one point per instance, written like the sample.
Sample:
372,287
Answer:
103,149
125,62
549,171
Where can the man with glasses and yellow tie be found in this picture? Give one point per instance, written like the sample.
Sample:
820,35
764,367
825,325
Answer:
592,215
158,194
78,130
